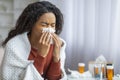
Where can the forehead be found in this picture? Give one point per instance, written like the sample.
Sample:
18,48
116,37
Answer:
48,17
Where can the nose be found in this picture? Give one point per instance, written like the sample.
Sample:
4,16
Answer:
49,26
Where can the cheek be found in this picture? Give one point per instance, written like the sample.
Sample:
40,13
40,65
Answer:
36,30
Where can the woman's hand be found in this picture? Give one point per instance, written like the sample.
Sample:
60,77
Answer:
57,47
44,44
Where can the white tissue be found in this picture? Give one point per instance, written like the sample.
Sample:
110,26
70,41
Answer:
76,74
117,77
100,59
50,30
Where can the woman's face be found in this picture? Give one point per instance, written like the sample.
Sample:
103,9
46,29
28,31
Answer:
47,20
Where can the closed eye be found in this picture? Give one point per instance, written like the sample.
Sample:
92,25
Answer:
44,24
53,25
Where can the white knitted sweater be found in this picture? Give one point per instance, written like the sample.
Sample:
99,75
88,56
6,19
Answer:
15,64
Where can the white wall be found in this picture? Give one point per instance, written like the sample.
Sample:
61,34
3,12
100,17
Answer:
1,54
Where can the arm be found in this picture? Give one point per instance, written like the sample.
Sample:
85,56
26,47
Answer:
54,71
59,53
60,70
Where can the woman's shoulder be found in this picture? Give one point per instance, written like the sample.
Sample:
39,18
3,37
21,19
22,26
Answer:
17,40
19,45
13,40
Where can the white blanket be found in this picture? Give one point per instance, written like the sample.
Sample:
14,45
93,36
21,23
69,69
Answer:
16,66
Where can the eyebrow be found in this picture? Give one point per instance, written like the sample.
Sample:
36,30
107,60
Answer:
44,22
47,23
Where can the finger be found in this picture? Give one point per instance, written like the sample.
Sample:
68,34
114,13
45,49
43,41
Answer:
41,38
48,39
56,37
56,41
45,38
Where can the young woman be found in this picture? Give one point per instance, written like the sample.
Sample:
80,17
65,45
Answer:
29,53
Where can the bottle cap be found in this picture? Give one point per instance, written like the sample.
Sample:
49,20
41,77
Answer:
81,64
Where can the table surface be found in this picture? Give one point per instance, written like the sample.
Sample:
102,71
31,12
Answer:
73,78
69,77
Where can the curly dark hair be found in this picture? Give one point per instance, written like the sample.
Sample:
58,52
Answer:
31,14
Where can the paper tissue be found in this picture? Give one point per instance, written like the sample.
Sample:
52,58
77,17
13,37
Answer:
101,59
75,75
50,30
